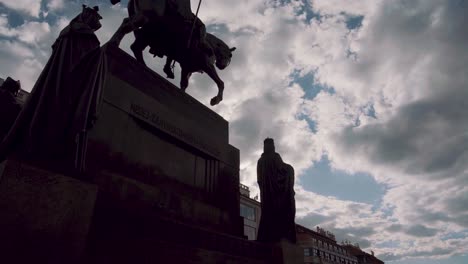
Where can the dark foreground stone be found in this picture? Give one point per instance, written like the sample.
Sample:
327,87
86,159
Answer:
159,185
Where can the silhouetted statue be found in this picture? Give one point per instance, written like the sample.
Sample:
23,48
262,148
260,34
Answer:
9,107
170,28
47,125
276,181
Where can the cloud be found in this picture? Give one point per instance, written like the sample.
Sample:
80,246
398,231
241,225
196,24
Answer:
421,231
391,101
54,5
28,7
22,63
415,141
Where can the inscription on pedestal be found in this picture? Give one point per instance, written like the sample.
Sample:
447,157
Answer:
207,137
166,126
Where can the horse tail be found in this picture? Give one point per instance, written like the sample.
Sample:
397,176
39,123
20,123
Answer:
113,2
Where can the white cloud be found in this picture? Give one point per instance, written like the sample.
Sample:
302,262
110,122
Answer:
54,5
33,32
30,7
406,64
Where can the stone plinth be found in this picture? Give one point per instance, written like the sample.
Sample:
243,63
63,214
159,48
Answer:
44,217
284,252
162,185
150,133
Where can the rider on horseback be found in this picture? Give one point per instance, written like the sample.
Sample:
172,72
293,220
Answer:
170,28
187,26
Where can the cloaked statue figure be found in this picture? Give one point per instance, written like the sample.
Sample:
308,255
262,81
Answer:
61,99
276,181
9,107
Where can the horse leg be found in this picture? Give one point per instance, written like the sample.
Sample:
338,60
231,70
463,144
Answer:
184,79
211,71
168,69
128,25
138,46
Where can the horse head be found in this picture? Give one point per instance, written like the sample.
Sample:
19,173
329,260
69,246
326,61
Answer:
91,17
222,51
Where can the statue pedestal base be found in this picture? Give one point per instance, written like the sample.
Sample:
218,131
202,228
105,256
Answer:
44,216
287,253
163,185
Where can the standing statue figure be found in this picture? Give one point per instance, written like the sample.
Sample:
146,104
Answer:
9,107
170,28
46,127
276,181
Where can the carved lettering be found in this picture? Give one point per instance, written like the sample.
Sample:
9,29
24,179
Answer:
164,125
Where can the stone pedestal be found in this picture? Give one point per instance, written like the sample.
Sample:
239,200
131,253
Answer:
2,167
162,185
44,217
150,133
285,252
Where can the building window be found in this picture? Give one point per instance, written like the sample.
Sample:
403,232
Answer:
250,232
247,212
306,252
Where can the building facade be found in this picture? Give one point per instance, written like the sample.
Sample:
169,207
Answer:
320,247
250,212
22,97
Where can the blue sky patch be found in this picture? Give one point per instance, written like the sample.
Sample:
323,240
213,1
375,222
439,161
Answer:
308,84
353,22
14,18
359,187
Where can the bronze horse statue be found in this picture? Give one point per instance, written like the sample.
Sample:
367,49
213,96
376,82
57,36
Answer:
170,28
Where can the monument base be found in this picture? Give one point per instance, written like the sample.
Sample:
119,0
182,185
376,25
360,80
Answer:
284,252
163,185
44,216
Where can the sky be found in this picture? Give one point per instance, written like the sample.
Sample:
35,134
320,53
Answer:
365,99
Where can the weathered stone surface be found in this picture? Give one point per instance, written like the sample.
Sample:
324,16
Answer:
141,92
166,199
2,167
125,234
285,252
167,180
151,132
44,217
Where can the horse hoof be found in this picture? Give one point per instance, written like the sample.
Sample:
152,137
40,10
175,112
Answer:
169,74
214,101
